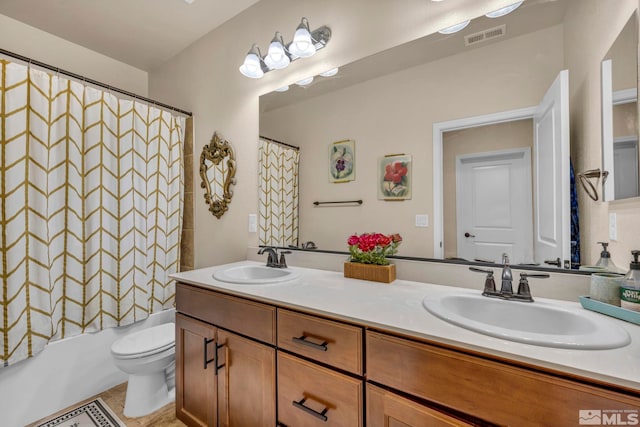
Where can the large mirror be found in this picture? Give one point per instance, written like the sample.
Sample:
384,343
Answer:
620,154
471,104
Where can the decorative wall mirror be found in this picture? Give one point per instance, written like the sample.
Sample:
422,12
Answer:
217,171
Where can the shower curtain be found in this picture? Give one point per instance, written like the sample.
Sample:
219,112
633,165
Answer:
91,209
278,194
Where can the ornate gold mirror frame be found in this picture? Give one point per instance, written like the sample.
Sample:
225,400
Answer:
218,171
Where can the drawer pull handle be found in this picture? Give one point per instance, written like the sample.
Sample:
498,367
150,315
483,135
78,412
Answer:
215,355
320,415
303,340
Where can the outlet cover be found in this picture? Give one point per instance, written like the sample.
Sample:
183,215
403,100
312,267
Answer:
253,223
613,226
422,220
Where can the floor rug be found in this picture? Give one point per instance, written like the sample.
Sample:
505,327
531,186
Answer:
95,413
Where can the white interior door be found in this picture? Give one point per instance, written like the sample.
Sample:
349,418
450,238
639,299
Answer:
493,206
551,174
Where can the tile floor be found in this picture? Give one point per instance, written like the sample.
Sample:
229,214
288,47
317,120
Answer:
164,417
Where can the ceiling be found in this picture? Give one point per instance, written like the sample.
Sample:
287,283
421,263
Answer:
141,33
532,16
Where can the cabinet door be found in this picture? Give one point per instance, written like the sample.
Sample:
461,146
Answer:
246,383
387,409
195,380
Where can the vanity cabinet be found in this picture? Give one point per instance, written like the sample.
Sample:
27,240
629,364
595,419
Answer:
486,389
241,390
321,372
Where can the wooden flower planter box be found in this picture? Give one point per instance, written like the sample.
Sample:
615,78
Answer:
375,273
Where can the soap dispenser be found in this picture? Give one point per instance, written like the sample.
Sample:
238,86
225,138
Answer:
605,260
630,290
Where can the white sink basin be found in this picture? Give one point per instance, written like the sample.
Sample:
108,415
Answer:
255,275
538,323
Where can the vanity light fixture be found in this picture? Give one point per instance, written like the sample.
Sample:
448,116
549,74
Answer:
330,73
504,11
454,28
305,44
283,88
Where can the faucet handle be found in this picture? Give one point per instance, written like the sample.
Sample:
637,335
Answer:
283,261
524,293
489,283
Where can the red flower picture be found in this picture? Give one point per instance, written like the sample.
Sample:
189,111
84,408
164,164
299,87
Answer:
394,177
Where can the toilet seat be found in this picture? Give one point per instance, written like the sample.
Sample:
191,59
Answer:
145,342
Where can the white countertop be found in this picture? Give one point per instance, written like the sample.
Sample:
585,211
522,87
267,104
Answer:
397,307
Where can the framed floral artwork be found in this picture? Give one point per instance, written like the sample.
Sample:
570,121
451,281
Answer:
394,177
342,161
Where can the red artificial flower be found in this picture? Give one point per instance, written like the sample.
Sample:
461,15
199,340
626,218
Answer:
353,240
395,172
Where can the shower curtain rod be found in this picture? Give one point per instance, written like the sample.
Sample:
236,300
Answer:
93,82
280,142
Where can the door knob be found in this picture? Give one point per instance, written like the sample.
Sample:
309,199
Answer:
467,235
555,262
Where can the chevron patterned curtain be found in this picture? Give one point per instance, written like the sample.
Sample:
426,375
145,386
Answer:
91,209
278,194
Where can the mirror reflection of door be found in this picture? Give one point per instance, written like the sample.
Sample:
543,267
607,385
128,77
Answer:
493,205
503,221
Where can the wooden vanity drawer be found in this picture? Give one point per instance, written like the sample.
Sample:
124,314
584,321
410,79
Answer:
246,317
316,388
489,390
326,341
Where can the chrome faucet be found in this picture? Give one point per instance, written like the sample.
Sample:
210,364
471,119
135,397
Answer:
272,257
506,290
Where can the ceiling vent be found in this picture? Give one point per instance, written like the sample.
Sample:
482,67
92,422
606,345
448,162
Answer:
485,35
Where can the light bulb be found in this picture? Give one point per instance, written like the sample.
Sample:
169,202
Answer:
305,81
454,28
504,11
283,89
252,67
302,45
330,73
276,58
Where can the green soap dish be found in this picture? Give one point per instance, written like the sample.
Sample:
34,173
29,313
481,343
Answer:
610,310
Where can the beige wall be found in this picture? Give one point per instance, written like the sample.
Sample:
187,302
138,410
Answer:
590,30
501,136
395,114
204,78
44,47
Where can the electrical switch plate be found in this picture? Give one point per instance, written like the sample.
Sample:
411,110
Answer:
613,227
253,223
422,220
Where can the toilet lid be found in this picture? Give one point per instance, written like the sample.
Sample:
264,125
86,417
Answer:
148,340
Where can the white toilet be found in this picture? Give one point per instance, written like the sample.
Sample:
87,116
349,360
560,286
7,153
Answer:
148,356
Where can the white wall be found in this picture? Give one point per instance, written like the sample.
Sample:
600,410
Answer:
204,78
395,114
39,45
64,373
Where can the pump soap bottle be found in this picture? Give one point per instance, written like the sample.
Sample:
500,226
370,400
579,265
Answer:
630,290
605,260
